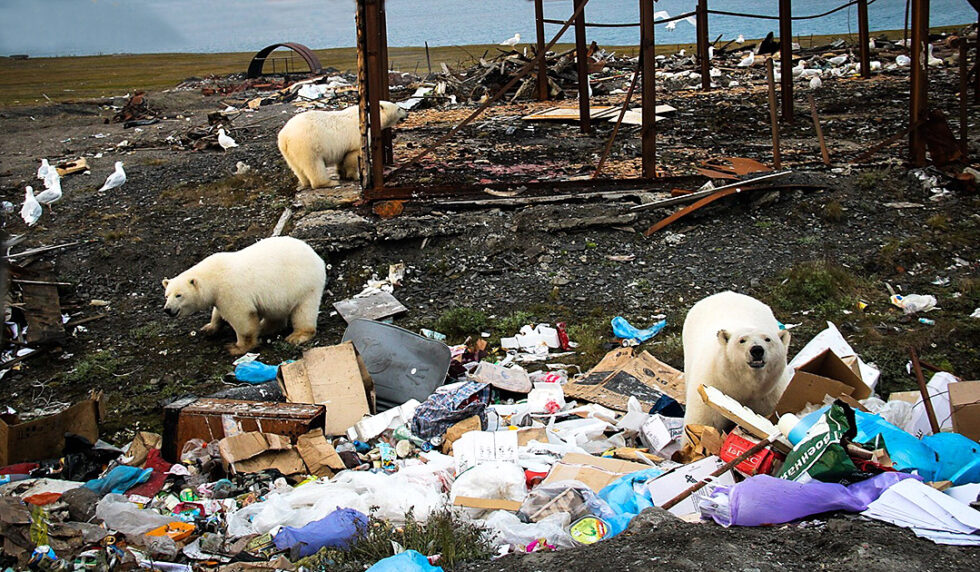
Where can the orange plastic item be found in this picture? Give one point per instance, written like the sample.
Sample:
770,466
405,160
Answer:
177,531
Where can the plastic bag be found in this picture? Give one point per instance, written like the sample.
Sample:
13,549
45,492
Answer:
898,413
627,496
490,481
121,515
507,528
762,499
625,331
408,561
580,500
336,530
507,378
254,372
119,480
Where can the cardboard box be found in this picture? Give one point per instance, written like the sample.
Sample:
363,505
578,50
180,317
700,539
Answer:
321,459
964,400
669,485
595,472
620,375
44,438
825,374
335,377
255,451
475,447
210,419
761,463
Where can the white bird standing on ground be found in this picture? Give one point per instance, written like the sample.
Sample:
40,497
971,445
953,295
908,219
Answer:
740,39
42,171
225,141
798,68
31,211
933,61
838,60
816,82
116,179
511,42
52,192
747,61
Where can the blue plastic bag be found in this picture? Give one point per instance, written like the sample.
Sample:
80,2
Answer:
336,530
408,561
254,372
624,330
119,480
627,497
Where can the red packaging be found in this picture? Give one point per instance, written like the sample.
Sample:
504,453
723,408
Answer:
563,337
759,464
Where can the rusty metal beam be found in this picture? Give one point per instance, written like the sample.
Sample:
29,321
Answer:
387,135
582,66
919,82
864,39
774,122
362,101
964,87
372,37
648,61
258,60
500,93
702,32
976,64
543,88
786,57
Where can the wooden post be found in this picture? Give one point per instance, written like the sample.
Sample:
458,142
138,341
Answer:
964,86
648,61
919,82
916,366
372,21
774,121
819,130
582,64
786,57
543,87
702,32
388,135
864,38
362,82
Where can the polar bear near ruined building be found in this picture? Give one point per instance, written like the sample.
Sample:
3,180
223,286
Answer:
317,143
734,343
256,290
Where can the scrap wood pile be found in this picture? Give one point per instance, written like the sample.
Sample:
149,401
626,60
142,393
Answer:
353,439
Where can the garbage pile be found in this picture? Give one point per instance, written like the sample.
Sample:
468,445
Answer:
389,429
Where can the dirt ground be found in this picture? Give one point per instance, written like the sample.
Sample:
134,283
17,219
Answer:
811,254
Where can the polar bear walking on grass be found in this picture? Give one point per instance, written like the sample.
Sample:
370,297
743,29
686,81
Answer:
256,290
733,342
317,143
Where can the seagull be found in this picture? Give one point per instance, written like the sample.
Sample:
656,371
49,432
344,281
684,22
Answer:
811,72
31,211
511,41
747,61
798,68
934,61
740,39
115,179
42,171
660,15
671,25
225,141
52,193
838,60
816,82
711,52
875,65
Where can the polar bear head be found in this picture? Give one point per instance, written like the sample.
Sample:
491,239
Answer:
184,295
756,349
391,114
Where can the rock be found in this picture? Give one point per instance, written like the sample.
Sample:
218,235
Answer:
81,504
653,518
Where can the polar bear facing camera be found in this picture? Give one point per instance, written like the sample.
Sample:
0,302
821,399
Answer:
317,143
733,342
257,290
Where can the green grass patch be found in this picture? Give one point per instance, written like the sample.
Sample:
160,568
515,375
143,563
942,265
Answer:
821,286
458,323
93,368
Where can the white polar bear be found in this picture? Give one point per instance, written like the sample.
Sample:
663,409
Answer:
733,342
314,143
256,290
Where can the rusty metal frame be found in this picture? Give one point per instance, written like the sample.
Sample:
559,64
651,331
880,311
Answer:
919,81
258,60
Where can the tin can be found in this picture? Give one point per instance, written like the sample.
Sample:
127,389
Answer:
589,530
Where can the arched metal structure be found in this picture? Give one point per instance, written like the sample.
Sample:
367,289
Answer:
258,60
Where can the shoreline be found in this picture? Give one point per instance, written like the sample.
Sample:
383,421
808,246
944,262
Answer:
30,81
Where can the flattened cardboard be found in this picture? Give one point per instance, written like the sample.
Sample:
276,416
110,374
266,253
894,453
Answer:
475,447
319,455
458,430
528,434
487,504
288,462
618,377
247,445
333,376
964,400
595,472
44,438
374,307
825,374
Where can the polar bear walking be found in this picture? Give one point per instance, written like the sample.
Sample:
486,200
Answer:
317,143
256,290
733,342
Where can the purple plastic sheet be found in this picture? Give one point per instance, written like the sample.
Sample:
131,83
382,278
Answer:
336,530
762,499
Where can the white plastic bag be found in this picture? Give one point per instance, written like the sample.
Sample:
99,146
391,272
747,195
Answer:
506,528
490,481
123,516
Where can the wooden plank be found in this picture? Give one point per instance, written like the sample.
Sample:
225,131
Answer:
699,194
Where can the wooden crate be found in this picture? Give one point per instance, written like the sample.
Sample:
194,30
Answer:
205,418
